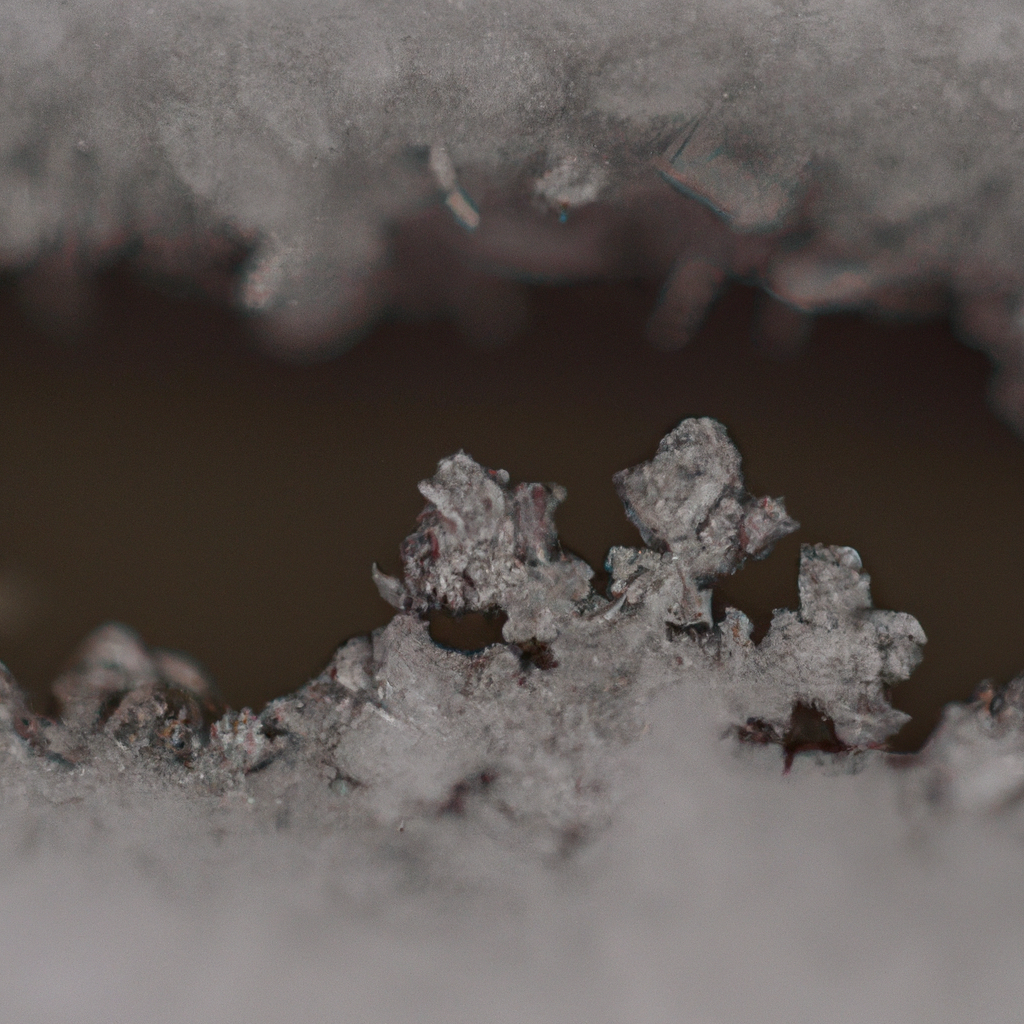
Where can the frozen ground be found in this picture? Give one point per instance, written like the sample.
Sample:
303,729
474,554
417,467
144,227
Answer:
624,811
360,157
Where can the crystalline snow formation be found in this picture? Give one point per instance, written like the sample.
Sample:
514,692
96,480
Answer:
545,788
533,725
843,155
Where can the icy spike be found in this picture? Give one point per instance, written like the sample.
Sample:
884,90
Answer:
690,500
483,544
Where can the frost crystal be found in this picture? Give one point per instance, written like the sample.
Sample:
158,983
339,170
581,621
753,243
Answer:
483,545
690,500
530,730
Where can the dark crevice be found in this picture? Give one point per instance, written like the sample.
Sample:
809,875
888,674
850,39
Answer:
809,729
760,587
540,655
469,632
601,581
692,631
464,789
272,731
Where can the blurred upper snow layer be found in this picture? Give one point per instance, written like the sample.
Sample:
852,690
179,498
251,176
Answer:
303,128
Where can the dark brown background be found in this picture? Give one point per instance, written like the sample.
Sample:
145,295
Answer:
155,470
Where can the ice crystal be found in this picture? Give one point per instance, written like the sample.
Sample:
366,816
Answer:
544,716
